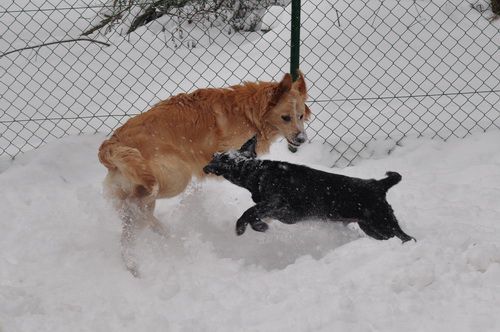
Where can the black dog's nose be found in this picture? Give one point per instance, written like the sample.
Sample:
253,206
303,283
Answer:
207,169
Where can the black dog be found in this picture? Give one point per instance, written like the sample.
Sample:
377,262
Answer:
291,193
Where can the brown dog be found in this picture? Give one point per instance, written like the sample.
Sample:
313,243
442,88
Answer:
155,154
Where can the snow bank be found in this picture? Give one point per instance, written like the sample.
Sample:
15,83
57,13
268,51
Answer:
60,267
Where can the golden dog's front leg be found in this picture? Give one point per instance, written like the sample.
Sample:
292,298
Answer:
153,222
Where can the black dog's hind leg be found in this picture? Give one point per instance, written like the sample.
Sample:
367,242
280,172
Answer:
371,231
395,230
389,226
384,228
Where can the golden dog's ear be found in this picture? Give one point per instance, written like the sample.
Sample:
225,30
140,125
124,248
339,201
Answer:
307,113
285,84
283,87
300,84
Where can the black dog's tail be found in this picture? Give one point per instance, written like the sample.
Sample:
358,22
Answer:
392,179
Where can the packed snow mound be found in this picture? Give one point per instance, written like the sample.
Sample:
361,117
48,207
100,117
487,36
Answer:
60,265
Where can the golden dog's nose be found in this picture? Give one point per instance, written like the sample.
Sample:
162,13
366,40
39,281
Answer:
301,137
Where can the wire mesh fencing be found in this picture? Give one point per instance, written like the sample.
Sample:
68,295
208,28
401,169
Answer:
400,68
376,70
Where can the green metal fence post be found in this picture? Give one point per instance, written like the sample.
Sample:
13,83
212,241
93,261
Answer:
295,39
295,47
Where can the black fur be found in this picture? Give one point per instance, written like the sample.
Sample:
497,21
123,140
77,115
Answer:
291,193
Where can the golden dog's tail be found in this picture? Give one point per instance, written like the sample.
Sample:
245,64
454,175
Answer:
131,164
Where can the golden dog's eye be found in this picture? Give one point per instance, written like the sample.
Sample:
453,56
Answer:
286,118
301,116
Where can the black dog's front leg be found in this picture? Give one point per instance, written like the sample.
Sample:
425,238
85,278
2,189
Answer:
252,216
275,208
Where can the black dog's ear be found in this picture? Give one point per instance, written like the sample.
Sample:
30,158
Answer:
248,149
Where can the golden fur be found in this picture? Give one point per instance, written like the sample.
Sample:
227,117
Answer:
155,154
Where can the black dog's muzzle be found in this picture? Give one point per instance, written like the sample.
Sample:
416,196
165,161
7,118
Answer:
210,169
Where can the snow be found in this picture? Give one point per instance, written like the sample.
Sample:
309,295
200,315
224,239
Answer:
60,265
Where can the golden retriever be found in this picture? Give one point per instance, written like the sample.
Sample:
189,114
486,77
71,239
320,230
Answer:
155,154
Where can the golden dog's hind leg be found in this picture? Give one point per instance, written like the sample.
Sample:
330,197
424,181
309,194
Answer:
135,209
136,214
130,229
136,202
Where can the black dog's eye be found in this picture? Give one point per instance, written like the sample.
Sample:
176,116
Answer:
286,118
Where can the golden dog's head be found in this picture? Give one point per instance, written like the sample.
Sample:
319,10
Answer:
287,110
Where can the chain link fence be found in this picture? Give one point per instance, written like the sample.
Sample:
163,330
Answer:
376,70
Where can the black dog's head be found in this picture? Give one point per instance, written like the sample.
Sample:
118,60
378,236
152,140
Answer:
225,162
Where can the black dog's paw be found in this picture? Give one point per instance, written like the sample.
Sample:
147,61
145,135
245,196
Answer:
411,238
260,226
240,228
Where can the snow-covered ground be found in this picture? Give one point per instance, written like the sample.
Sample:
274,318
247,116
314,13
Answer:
60,267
